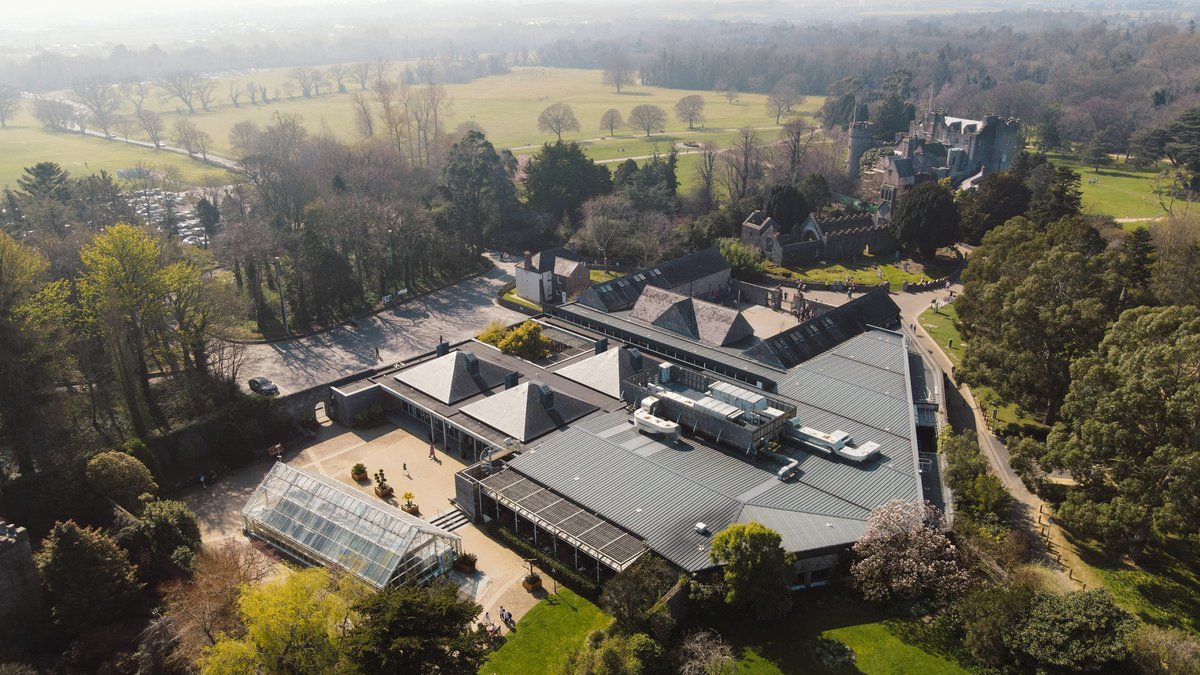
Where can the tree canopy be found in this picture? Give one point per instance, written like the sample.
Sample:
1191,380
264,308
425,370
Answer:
560,177
994,200
647,117
1128,433
121,477
557,118
756,569
87,577
480,191
905,555
926,218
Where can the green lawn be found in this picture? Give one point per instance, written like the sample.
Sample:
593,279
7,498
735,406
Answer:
863,271
1120,190
600,276
1163,589
511,294
882,647
26,143
507,106
546,635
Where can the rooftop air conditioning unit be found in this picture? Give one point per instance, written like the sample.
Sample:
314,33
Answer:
702,528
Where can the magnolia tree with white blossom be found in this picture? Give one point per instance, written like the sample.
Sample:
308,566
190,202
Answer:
906,555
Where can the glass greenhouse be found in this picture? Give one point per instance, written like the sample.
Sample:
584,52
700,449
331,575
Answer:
315,519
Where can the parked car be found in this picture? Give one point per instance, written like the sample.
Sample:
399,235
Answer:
261,385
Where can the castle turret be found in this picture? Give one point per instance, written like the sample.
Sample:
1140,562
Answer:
860,142
22,607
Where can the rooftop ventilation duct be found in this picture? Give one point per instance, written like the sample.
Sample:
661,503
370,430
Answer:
472,363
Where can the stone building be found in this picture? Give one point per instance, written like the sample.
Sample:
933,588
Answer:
830,238
22,607
939,147
550,275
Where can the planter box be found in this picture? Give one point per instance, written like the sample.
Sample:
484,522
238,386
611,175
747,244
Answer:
358,477
531,586
465,569
385,494
414,509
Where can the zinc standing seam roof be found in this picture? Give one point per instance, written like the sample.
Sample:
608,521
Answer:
337,525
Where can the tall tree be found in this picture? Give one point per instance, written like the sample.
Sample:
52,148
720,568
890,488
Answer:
619,73
994,200
630,594
10,104
87,576
690,109
100,98
181,85
23,369
561,177
611,120
926,219
557,118
122,478
416,629
1130,433
756,569
481,193
648,118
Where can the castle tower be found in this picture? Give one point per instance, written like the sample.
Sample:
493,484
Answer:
22,606
860,142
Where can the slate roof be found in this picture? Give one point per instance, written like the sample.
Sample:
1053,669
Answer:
847,224
621,293
704,321
544,261
527,411
606,371
450,379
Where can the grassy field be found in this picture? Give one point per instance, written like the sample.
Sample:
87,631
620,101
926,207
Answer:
546,634
882,647
507,106
26,143
1164,589
863,271
1120,190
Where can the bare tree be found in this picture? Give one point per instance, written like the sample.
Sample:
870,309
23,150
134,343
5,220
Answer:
393,112
10,103
705,190
206,92
235,92
784,97
191,138
557,118
360,74
99,97
730,94
308,79
242,137
794,142
152,124
690,109
704,653
619,73
181,84
648,118
364,117
136,93
252,92
337,72
53,114
126,125
742,164
611,120
383,68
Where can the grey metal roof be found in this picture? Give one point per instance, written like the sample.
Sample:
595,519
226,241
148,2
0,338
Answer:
621,293
450,379
529,410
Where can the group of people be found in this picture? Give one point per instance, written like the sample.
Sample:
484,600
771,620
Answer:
506,618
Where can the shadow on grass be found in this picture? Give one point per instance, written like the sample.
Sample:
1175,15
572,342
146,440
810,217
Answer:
1163,588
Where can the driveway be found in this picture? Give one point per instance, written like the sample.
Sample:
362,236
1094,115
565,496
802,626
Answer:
454,313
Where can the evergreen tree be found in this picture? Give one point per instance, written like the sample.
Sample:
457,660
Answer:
926,219
560,177
87,576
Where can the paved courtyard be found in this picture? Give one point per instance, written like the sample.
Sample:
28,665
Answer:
403,454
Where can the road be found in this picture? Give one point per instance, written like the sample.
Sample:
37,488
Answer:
454,313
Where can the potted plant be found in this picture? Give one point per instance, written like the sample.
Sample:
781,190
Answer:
409,506
532,581
382,489
465,562
359,472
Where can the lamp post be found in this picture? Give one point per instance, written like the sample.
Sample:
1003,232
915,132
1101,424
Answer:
282,304
392,268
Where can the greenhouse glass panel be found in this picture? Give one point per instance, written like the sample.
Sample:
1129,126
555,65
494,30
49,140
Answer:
319,520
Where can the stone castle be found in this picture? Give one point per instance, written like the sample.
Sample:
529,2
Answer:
21,603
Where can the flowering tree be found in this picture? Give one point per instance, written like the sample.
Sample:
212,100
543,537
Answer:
905,555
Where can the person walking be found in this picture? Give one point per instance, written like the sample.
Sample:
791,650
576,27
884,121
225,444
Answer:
431,456
377,356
